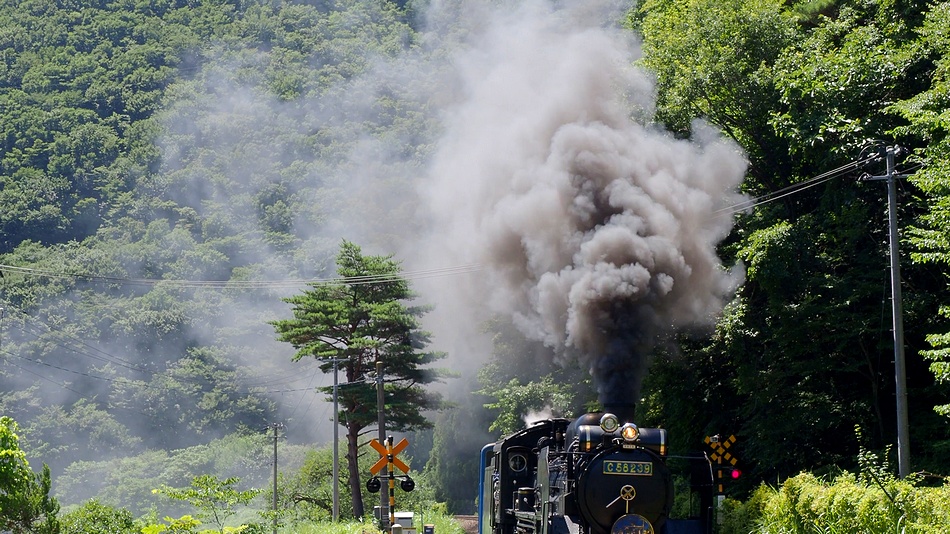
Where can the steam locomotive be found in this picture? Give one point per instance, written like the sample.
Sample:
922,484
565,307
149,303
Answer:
598,474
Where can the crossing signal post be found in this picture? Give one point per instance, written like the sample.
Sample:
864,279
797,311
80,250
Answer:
725,470
389,460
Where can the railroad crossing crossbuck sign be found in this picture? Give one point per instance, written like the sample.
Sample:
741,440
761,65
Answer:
720,449
388,454
388,458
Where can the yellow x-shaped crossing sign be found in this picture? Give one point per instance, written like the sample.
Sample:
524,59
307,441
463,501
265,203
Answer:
720,449
388,454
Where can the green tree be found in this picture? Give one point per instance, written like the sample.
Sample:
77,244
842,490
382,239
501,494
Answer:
25,503
714,60
214,498
452,469
361,320
128,482
523,381
14,467
205,389
928,114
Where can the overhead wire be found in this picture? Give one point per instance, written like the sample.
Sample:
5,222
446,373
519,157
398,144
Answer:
59,338
64,384
38,375
406,275
797,187
78,373
247,284
300,399
127,381
124,380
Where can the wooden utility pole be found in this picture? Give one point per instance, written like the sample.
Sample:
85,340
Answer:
275,427
336,441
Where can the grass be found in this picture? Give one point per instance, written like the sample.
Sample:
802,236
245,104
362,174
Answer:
443,525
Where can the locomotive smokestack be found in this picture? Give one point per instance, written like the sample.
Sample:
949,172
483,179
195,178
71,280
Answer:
596,231
625,412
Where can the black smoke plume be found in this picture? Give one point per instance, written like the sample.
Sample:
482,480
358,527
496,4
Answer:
597,231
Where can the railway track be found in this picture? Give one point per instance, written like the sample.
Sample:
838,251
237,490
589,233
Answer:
469,523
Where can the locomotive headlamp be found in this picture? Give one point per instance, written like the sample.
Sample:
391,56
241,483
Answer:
630,432
609,423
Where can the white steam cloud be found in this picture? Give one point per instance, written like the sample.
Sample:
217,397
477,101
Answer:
597,233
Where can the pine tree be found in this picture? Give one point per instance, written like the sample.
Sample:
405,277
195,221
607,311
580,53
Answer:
359,320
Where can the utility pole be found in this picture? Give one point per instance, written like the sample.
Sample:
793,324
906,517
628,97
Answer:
900,373
275,427
381,418
336,441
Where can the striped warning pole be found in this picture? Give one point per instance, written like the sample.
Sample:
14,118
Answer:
392,481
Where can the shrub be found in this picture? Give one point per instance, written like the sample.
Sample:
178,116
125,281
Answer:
805,504
94,517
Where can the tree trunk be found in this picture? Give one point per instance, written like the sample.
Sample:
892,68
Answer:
352,460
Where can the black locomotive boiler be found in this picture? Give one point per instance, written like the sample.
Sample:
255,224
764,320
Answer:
598,474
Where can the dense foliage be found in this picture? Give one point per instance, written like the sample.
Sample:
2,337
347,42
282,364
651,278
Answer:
804,352
94,517
846,503
805,348
161,162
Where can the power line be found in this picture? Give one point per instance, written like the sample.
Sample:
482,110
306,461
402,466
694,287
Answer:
288,378
79,373
63,340
405,275
797,188
130,382
309,384
42,377
147,385
246,284
58,338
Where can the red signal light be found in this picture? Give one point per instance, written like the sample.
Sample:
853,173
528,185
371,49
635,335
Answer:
736,474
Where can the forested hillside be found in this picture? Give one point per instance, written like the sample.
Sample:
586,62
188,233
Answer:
170,170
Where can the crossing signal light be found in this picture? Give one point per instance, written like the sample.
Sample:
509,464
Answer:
726,476
730,473
373,485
